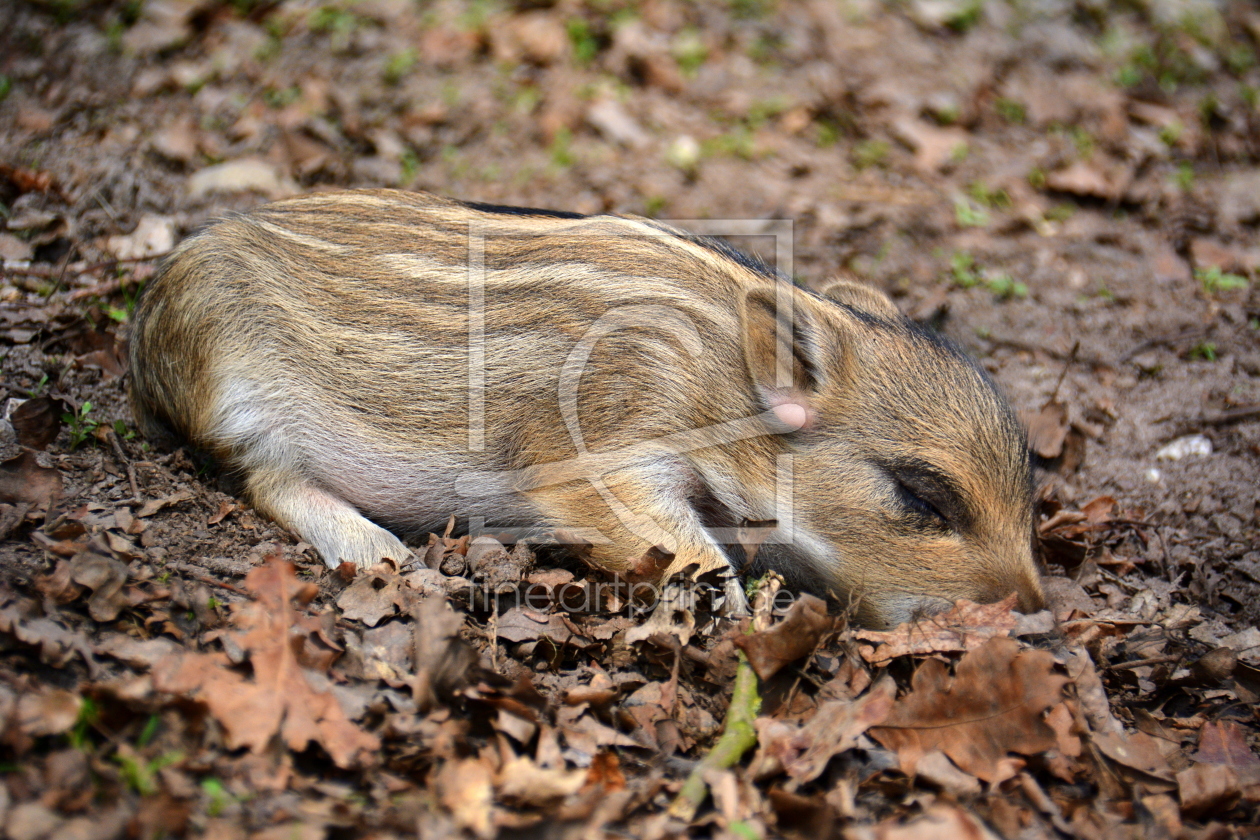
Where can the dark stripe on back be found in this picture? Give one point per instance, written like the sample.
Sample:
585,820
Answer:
505,210
724,249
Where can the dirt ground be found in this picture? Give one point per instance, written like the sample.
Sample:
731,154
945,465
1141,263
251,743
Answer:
1071,190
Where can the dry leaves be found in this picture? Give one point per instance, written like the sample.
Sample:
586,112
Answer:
372,597
802,753
796,636
24,482
993,705
281,698
372,707
408,702
964,627
940,822
37,421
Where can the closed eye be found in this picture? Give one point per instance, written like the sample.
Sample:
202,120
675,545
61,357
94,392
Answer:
926,491
909,498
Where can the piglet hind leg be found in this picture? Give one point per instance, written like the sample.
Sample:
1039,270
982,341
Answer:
337,530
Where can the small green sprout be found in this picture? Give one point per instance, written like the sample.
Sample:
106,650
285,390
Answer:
561,149
736,142
337,22
750,9
966,16
962,267
966,274
947,113
1011,110
827,132
150,731
1128,76
1083,141
968,214
689,51
585,44
1204,351
82,424
763,110
1005,286
1215,280
276,98
141,775
79,735
399,64
218,795
990,197
870,153
410,164
1061,212
40,387
1240,59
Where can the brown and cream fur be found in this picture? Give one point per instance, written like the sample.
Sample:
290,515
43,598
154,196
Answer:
372,359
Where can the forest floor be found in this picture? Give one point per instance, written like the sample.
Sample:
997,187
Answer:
1070,190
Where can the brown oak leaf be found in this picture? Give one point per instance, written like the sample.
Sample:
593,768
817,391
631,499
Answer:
837,725
992,706
372,597
1225,742
279,698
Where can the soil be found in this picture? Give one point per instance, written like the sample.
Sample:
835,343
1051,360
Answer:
1070,190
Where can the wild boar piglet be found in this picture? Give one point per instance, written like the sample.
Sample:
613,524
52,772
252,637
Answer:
370,362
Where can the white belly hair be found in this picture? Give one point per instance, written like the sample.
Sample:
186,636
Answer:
273,431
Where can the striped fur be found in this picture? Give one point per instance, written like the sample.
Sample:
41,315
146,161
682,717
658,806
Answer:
376,360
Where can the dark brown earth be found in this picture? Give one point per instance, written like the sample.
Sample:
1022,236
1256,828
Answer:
1071,190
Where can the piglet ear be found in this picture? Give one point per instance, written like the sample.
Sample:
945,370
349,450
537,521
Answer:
793,344
862,298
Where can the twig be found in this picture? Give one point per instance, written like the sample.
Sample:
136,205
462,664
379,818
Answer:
100,290
738,736
738,732
1232,415
1140,663
1067,364
1174,338
25,284
1068,357
189,570
48,273
126,462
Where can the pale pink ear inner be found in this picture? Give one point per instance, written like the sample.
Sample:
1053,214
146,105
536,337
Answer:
793,415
